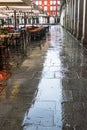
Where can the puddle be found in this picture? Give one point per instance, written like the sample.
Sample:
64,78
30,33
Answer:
46,113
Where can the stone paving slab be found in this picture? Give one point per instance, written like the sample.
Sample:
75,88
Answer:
49,128
67,95
30,127
46,104
39,117
37,127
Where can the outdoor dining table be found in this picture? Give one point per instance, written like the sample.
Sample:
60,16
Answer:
3,39
36,33
6,39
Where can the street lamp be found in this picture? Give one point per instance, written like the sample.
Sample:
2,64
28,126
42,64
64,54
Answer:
32,11
24,19
15,23
8,21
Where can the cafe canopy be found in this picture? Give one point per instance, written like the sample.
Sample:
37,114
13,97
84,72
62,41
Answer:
7,8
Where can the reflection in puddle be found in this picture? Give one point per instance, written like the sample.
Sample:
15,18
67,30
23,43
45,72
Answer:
14,92
10,59
46,113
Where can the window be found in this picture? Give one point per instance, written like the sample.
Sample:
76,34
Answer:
36,2
58,7
51,8
40,2
45,8
54,8
45,2
58,2
54,2
51,2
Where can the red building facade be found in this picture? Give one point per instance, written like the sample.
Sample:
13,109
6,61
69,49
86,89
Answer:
52,7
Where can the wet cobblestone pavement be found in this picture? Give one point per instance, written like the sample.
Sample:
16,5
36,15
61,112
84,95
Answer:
45,85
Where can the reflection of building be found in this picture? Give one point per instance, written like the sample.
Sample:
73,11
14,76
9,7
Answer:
52,7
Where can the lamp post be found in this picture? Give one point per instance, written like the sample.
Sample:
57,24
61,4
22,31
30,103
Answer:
0,24
8,21
32,11
24,19
15,22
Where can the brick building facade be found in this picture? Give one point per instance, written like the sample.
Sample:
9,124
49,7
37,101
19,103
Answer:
52,7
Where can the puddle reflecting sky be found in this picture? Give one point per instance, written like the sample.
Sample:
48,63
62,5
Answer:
46,113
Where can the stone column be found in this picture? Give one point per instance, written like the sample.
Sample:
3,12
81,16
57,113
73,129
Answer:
37,20
80,19
70,11
48,19
15,19
67,14
69,17
72,18
68,21
75,17
64,20
84,32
